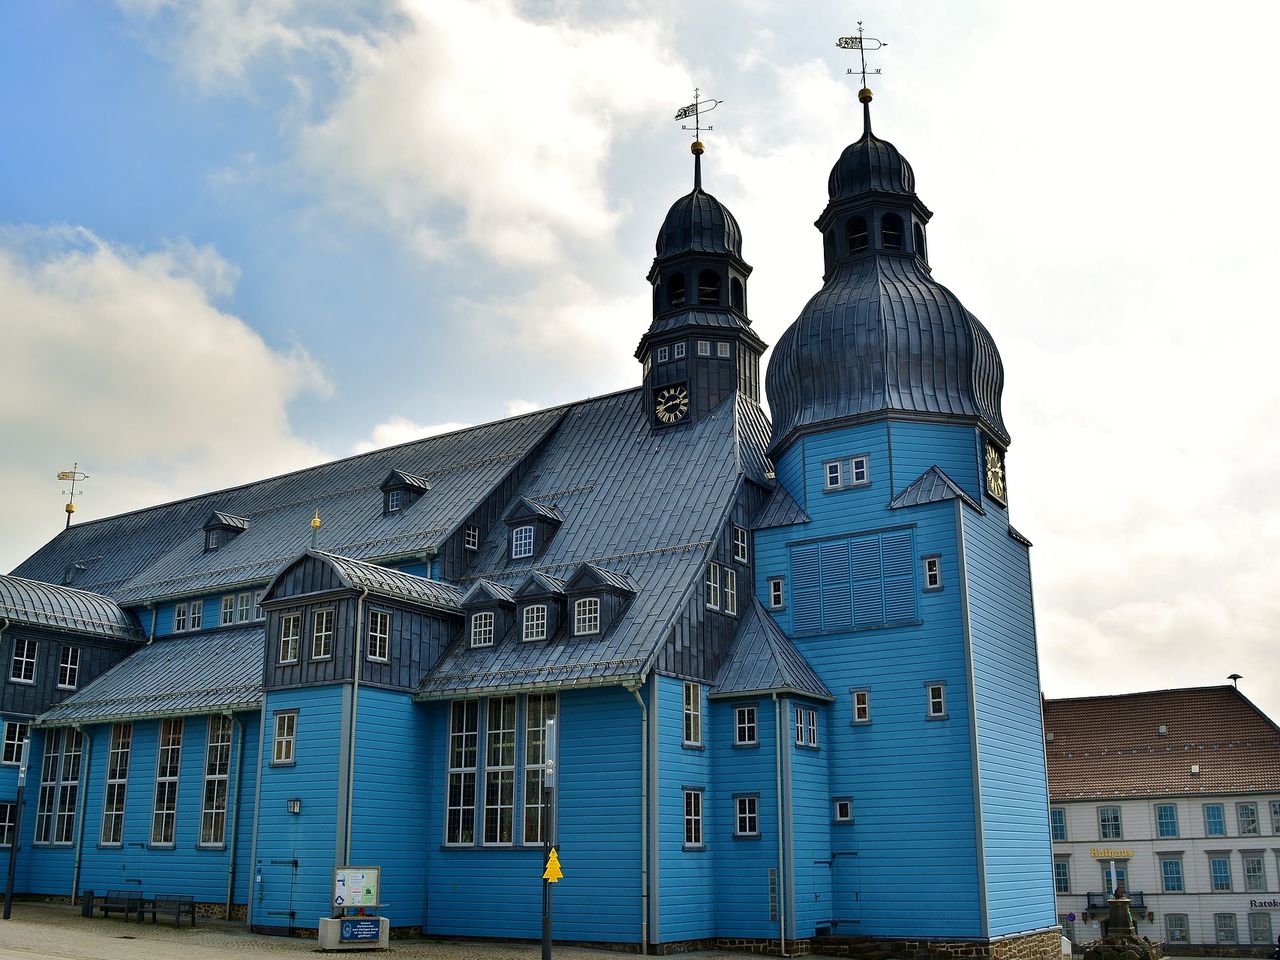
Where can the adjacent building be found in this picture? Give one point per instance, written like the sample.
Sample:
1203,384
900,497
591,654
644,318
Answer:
1176,795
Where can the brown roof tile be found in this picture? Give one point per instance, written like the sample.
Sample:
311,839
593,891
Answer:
1111,747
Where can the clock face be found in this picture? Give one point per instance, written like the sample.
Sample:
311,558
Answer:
670,404
995,472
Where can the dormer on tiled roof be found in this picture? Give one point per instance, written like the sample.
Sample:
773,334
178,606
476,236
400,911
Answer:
221,528
530,527
400,490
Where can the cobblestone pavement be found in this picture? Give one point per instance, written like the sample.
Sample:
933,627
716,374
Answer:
43,931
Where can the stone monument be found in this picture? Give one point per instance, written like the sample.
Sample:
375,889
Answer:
1122,941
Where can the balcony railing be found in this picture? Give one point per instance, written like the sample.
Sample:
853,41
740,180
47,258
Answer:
1098,901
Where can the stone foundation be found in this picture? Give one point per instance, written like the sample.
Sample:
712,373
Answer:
773,948
1041,945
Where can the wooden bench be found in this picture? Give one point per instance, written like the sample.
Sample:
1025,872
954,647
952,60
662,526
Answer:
122,901
171,903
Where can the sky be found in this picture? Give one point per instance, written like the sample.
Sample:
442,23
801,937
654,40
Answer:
241,238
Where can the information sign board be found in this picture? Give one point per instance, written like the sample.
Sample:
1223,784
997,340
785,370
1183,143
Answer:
355,929
356,887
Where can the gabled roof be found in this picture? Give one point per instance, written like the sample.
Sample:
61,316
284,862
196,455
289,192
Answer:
780,510
589,575
399,478
526,509
486,591
224,521
539,585
763,660
1015,535
64,608
1111,747
385,582
932,486
186,674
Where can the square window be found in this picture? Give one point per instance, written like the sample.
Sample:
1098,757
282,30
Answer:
740,544
692,714
842,810
663,352
777,593
1062,876
1058,823
290,633
379,635
747,816
861,706
1166,820
677,350
322,635
692,817
1220,873
482,629
1224,925
522,542
586,616
68,668
745,732
534,626
471,537
1215,821
286,735
1171,874
15,735
1109,823
936,701
722,349
704,348
1177,927
932,572
1247,817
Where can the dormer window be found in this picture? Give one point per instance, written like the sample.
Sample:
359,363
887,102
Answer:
400,490
858,240
709,288
393,500
675,290
212,540
534,625
891,231
522,542
531,526
586,616
482,629
221,528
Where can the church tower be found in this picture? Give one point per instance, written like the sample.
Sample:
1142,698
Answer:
700,347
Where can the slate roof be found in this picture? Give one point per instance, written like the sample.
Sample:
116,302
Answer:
385,582
187,674
932,486
638,504
159,551
780,510
763,660
63,608
1111,747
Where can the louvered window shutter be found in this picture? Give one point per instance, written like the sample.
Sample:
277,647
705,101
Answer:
806,601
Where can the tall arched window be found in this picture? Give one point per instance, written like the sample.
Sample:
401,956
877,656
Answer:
709,288
735,294
858,234
891,231
920,250
657,295
675,290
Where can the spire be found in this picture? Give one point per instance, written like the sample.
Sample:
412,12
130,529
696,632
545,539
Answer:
697,149
864,97
862,44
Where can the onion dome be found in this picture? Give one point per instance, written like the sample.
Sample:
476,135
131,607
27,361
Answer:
868,164
699,223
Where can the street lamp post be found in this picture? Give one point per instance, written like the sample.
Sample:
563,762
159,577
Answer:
17,832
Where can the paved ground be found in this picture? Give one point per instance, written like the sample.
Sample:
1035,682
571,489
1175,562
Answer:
42,931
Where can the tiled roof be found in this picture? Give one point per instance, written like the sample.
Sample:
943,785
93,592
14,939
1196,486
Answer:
188,674
763,660
1111,747
63,608
931,486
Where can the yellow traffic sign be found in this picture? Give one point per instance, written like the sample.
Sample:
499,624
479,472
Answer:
553,871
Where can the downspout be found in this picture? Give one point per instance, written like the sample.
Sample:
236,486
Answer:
154,611
351,743
644,821
4,628
81,803
255,883
777,767
234,819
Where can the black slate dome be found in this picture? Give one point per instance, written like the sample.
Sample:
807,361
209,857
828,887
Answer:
868,164
699,223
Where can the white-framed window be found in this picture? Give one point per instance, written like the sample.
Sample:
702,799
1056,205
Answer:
722,349
692,817
777,593
290,635
244,607
164,809
179,618
59,787
1166,820
1255,873
730,591
1224,925
746,815
7,824
217,770
68,668
379,635
322,634
745,726
15,734
861,706
586,616
539,708
847,472
500,771
932,572
258,614
196,614
704,348
692,714
1247,818
1109,825
842,810
212,540
394,498
1177,927
741,545
522,542
935,700
470,537
677,350
534,626
113,797
228,610
285,738
713,586
663,353
22,669
482,629
1220,872
806,727
464,733
1260,928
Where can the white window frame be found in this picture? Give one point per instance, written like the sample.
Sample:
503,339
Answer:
811,728
662,354
8,810
693,836
1057,817
464,736
522,541
746,815
1275,816
500,771
164,805
378,646
115,788
22,668
722,350
394,500
289,647
470,537
730,591
179,618
59,787
777,593
713,586
586,616
861,705
677,350
1222,819
704,348
244,607
935,700
741,545
539,707
195,614
1061,877
284,739
1104,824
746,725
217,773
842,809
932,566
847,472
322,624
227,615
533,625
68,667
15,734
692,714
258,613
482,629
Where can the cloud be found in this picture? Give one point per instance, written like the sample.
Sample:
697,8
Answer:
399,430
120,360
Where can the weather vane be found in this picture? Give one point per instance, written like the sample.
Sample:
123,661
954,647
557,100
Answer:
862,45
696,110
75,476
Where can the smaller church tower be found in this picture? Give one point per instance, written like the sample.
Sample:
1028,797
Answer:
700,347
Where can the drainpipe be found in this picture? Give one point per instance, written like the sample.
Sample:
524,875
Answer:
233,819
4,628
154,611
87,747
355,699
644,821
255,884
777,767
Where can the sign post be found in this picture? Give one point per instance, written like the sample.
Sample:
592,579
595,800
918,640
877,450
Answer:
552,873
17,831
356,921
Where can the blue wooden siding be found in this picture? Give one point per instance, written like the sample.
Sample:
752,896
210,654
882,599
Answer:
862,582
1010,729
810,819
918,446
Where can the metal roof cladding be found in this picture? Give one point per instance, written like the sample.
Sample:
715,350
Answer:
699,223
764,661
870,163
64,608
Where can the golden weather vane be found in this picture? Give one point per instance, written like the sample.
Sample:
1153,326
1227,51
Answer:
75,476
696,110
862,44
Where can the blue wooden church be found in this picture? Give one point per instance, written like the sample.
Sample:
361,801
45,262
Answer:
792,664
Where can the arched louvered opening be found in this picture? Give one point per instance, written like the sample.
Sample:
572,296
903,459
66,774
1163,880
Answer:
858,240
891,231
736,297
920,249
829,247
675,290
657,295
709,288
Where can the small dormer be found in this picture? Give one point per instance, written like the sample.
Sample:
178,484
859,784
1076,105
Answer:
595,598
490,610
540,607
221,528
530,527
400,490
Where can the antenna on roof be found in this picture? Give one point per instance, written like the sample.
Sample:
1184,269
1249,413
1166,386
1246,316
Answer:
75,476
1235,679
696,110
862,45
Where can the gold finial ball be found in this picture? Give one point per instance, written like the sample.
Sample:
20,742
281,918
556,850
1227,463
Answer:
315,521
864,95
697,149
70,508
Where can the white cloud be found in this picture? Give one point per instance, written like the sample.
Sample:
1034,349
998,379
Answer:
399,430
120,360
